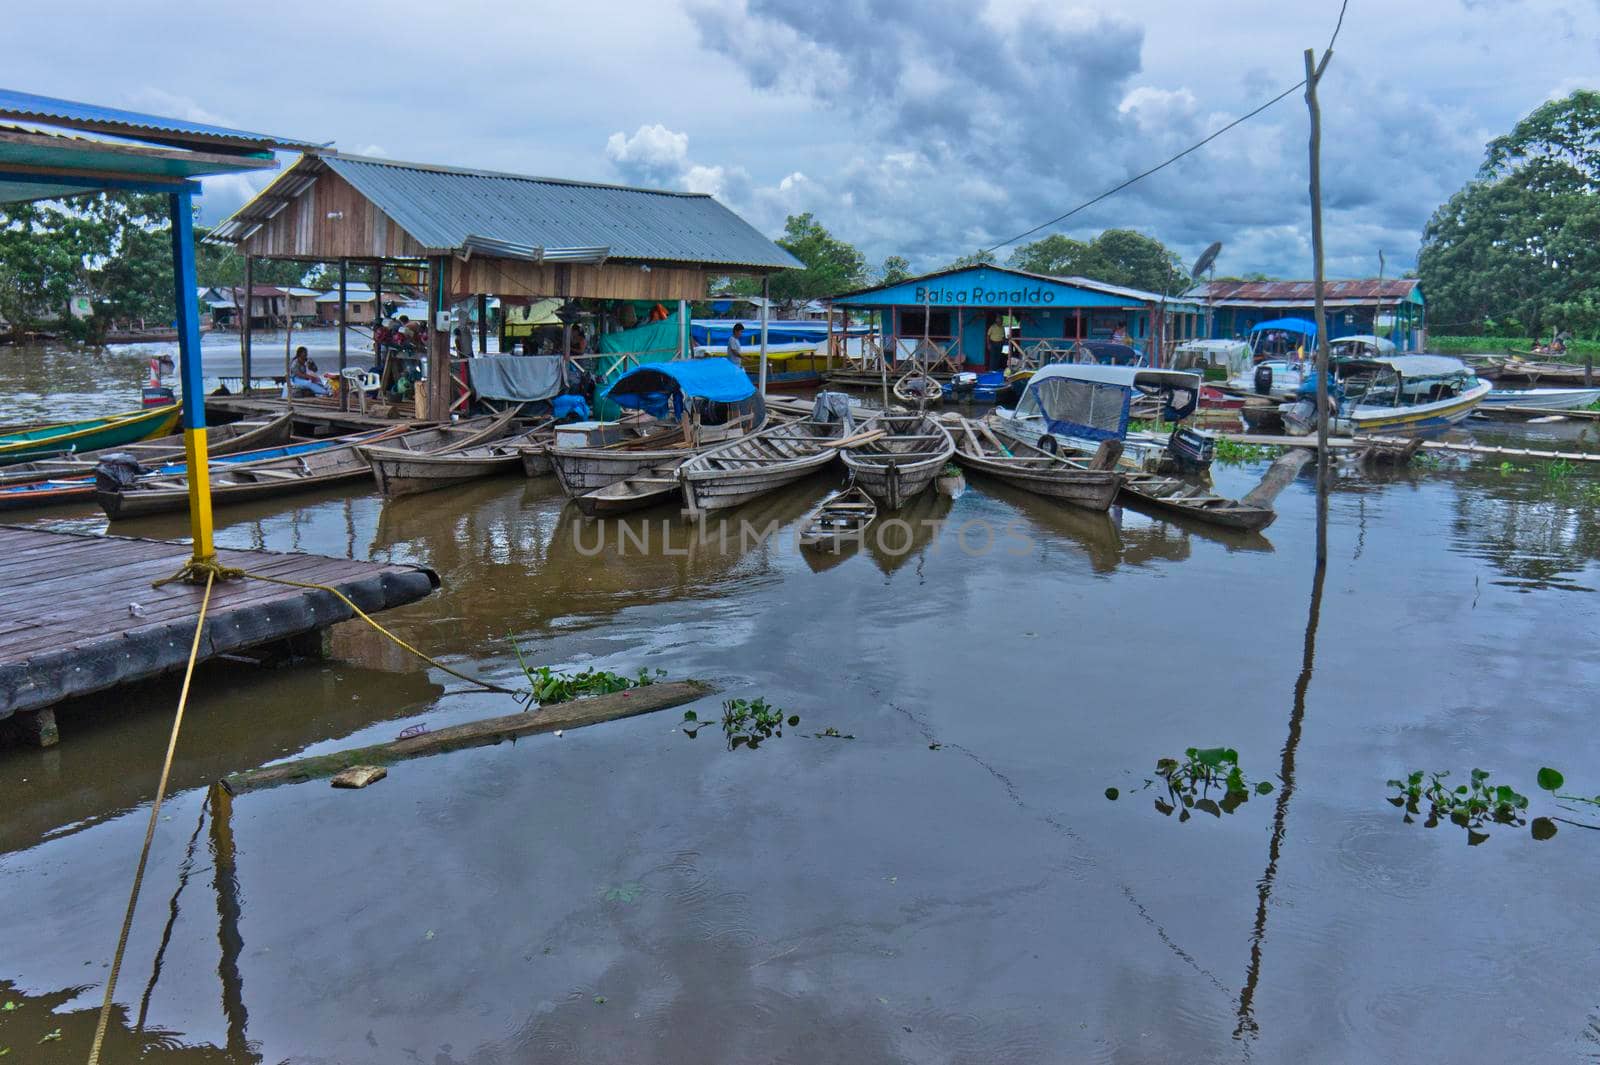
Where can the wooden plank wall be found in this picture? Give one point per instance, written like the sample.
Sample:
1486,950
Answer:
303,230
613,281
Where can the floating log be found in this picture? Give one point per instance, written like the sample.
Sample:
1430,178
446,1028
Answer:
485,733
1284,469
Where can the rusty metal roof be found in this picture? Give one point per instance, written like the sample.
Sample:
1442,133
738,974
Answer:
1302,293
447,210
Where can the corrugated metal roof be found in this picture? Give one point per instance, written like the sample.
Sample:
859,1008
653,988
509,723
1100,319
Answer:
1302,293
442,207
134,124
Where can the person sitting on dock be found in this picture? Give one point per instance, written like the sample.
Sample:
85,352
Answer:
304,375
735,347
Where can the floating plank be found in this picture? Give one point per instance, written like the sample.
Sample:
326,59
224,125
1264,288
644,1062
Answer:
1343,443
484,733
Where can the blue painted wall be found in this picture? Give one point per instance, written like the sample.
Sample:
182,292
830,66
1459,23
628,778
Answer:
983,287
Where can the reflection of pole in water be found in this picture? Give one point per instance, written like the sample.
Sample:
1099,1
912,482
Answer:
172,917
1280,815
228,912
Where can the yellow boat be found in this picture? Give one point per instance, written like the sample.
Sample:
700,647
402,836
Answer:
91,434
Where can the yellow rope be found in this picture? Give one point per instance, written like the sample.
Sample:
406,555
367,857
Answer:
150,831
196,570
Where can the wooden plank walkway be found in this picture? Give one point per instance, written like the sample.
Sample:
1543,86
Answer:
324,415
80,615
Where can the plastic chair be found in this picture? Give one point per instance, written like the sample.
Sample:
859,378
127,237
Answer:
359,381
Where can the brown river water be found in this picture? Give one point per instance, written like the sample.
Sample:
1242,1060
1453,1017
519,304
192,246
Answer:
948,885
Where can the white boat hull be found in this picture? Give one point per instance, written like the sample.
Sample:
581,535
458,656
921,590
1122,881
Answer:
1542,398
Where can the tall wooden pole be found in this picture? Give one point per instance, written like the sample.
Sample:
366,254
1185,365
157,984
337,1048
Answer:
344,324
766,292
483,324
1313,75
438,345
244,323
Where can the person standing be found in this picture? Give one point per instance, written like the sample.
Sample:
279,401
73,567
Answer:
995,349
735,347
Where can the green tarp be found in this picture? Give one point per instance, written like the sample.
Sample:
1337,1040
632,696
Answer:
651,342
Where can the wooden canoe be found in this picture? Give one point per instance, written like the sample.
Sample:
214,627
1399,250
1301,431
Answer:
840,521
92,434
221,440
274,477
584,469
536,459
1032,469
918,389
901,464
653,487
404,471
753,465
53,482
1177,496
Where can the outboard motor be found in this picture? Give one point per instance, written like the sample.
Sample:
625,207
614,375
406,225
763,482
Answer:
1263,380
118,471
962,386
1191,451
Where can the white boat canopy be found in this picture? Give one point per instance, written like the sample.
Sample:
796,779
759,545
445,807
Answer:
1233,354
1378,344
1424,365
1123,376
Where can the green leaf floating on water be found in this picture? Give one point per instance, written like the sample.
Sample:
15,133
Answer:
1550,780
1543,829
1263,787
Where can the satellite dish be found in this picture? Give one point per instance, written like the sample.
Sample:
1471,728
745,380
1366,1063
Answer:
1207,258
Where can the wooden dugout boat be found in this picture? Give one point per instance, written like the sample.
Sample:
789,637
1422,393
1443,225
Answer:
840,520
1033,470
92,434
714,401
741,470
1177,496
402,470
917,389
902,463
230,439
283,476
653,487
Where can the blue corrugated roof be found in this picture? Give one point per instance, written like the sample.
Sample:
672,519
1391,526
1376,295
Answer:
132,124
441,207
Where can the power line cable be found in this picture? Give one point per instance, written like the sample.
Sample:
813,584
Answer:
1296,87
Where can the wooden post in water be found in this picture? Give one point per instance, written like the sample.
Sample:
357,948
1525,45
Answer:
1314,71
766,292
244,323
288,347
344,324
438,346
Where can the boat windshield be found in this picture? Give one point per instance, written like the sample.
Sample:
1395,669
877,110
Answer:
1092,409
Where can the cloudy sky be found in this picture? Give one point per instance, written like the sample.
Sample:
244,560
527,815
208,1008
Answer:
925,129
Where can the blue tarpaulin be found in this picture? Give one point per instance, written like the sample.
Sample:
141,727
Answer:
717,380
1303,326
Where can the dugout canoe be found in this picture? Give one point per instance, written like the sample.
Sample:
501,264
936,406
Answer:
403,470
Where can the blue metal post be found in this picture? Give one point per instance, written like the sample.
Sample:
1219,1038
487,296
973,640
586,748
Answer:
190,373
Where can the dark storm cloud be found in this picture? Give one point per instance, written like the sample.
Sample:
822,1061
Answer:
972,126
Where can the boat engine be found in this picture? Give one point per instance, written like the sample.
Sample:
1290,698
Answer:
1263,380
1190,450
962,385
117,471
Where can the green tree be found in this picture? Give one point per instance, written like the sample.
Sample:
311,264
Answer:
981,257
832,266
1057,255
1116,256
896,268
43,248
1517,250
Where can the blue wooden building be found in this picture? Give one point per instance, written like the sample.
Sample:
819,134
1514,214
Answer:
949,312
1392,308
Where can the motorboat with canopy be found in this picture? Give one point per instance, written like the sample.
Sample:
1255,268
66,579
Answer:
1361,346
1078,407
688,405
1280,348
1402,395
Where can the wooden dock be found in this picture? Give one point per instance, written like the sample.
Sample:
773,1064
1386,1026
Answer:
80,615
311,417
